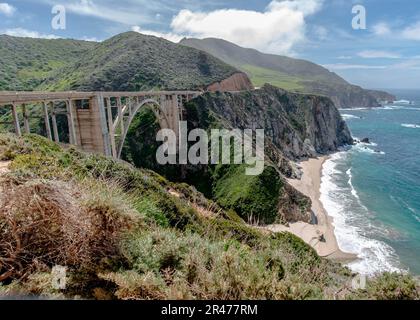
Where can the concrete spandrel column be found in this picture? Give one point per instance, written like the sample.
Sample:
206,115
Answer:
70,119
111,127
120,114
54,123
98,107
25,119
16,120
47,120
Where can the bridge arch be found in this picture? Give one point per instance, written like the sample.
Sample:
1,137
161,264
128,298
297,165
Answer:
93,123
129,112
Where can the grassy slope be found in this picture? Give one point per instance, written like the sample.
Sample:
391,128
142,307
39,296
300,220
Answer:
25,62
289,73
131,61
260,76
281,71
156,235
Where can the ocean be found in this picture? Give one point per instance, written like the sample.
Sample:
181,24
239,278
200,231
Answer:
373,190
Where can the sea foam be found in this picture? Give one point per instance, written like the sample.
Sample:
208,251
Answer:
349,116
409,125
351,221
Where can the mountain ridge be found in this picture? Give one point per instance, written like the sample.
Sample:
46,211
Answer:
126,62
290,74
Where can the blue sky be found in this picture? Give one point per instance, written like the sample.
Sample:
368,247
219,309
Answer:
384,55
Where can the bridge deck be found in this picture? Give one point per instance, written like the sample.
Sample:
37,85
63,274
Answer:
8,97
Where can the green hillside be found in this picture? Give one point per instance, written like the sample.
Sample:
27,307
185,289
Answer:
132,62
260,76
126,233
25,62
289,74
126,62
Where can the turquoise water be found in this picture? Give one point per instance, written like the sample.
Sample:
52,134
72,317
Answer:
373,191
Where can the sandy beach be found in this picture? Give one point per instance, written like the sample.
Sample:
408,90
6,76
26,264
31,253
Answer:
309,185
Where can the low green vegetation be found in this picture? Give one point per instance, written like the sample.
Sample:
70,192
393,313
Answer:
126,233
260,76
25,63
134,62
254,198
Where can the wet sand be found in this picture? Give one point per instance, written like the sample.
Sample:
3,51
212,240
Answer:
309,185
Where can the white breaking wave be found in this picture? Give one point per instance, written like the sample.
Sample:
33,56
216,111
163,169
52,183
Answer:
409,125
349,116
374,256
402,102
363,147
350,182
350,109
399,108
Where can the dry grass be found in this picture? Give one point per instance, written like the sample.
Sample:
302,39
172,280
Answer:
46,223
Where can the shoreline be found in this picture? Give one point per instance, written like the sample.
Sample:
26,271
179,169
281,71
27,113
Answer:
310,185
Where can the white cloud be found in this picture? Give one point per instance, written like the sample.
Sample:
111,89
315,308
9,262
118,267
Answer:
278,29
168,36
344,57
7,9
20,32
412,32
344,66
124,12
381,29
374,54
90,39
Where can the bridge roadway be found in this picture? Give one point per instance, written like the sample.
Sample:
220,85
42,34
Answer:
96,121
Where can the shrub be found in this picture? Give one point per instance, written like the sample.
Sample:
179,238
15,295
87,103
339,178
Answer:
390,286
189,266
45,223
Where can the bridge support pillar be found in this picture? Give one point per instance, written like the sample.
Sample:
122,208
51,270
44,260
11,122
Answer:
25,119
111,128
70,121
16,120
47,120
54,123
102,138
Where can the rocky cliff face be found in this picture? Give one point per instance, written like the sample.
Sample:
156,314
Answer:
345,95
298,125
237,82
382,96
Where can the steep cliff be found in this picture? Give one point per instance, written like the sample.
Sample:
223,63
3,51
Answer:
382,96
298,125
237,82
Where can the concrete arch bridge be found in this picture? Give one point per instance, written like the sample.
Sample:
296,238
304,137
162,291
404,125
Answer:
97,121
